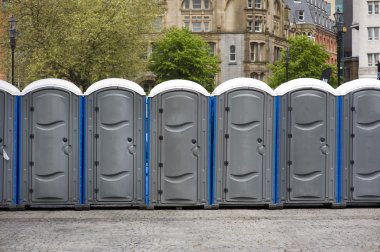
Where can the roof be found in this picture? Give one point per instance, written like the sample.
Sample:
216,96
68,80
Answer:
358,84
178,85
117,83
51,83
9,88
304,83
244,83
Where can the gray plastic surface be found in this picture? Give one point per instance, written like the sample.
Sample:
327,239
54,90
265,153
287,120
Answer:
179,148
244,151
308,140
361,159
115,147
7,113
50,148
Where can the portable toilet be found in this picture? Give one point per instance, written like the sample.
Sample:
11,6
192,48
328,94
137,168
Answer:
306,134
115,169
243,142
360,141
9,96
51,138
179,144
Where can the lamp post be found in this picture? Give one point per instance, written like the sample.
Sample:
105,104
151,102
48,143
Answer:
338,15
12,40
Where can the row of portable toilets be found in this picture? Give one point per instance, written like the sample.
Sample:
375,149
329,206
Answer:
304,143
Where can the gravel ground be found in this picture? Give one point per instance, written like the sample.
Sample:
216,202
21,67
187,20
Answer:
192,230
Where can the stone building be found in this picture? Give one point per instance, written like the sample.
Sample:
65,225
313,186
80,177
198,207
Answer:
245,34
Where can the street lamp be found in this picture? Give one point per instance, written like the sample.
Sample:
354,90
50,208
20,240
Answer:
12,39
338,15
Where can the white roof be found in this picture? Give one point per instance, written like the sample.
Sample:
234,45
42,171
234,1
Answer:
9,88
178,84
246,83
304,83
51,83
115,82
356,85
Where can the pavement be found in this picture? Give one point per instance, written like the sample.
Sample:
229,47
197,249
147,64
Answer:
354,229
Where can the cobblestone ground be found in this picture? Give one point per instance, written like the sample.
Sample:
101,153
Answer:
192,230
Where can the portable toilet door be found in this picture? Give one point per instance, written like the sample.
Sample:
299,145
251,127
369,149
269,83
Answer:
50,144
179,121
8,144
360,144
243,142
307,131
115,115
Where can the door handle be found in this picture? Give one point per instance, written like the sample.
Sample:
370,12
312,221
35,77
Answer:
131,149
195,151
4,153
325,149
261,149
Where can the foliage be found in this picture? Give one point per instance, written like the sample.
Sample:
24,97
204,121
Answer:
307,60
82,40
179,54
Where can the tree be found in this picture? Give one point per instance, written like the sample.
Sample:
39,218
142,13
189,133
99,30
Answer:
82,41
179,54
307,60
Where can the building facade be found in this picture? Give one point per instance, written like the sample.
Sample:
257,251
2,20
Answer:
312,18
246,35
366,37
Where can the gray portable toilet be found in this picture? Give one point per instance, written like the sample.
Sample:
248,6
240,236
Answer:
306,131
8,144
115,116
360,143
243,142
51,129
179,144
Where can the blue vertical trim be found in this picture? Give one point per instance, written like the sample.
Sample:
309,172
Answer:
84,150
19,152
147,151
81,150
278,149
274,164
15,148
210,146
214,148
339,132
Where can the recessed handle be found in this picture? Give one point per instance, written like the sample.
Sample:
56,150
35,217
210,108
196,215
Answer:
129,139
64,139
194,141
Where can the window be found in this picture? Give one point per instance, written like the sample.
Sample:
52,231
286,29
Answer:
373,59
187,22
258,4
258,24
250,4
277,53
206,23
301,15
373,33
197,23
250,23
232,53
157,26
196,4
373,7
255,51
186,4
212,48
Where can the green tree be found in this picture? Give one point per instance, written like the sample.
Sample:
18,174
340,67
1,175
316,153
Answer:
82,41
307,60
179,54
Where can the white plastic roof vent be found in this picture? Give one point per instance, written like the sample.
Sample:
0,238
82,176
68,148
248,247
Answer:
51,83
242,83
178,84
115,82
304,83
354,85
9,88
